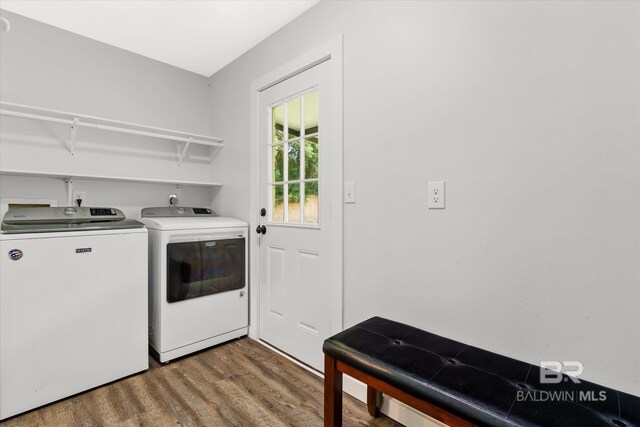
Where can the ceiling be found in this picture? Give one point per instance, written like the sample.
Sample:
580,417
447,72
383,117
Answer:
198,36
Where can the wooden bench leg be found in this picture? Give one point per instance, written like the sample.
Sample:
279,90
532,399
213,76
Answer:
372,401
332,393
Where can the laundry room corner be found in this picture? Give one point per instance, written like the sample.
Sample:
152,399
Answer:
66,72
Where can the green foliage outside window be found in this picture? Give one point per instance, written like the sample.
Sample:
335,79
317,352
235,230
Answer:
311,169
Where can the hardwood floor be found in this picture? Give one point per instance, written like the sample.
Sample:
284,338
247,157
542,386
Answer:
241,383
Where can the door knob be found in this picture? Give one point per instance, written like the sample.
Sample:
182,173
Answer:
261,229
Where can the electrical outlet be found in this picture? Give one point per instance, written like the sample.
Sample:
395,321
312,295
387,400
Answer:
82,195
435,195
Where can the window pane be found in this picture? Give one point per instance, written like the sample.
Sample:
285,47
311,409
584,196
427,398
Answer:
294,203
277,162
311,202
290,154
311,112
277,211
293,113
311,158
293,150
277,123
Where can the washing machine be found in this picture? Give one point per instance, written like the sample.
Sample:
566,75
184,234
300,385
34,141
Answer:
73,303
197,279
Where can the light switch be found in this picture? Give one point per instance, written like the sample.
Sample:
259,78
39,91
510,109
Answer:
435,192
350,192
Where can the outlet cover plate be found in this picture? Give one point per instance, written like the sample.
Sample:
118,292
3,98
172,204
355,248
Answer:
435,192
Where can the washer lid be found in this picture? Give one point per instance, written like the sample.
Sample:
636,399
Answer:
192,223
55,219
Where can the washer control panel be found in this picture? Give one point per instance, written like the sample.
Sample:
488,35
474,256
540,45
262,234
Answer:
102,212
69,218
61,214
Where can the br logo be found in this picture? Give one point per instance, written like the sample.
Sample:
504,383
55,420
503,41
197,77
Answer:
552,370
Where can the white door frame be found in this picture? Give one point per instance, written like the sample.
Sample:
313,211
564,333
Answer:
331,50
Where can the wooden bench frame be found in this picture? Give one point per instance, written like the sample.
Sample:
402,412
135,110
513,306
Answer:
333,370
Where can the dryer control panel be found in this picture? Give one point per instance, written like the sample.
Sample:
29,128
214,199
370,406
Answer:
176,211
202,211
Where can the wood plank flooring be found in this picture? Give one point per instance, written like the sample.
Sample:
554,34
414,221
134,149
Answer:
240,383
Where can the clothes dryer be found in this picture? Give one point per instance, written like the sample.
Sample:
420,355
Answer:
197,279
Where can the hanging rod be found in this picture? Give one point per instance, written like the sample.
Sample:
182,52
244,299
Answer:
82,120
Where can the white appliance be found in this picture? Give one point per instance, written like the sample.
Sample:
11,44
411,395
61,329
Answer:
197,279
73,303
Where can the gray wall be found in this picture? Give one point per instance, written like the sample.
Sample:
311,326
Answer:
44,66
530,112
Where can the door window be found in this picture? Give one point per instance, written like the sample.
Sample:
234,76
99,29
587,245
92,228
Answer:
294,160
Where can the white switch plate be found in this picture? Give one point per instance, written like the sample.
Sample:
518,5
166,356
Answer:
436,195
350,192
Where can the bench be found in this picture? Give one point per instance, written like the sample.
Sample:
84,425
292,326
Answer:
461,385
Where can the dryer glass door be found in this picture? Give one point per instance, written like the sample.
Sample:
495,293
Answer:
197,269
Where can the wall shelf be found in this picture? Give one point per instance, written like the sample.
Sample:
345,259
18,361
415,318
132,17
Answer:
76,121
71,176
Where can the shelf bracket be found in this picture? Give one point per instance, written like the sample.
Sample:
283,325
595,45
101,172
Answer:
182,152
73,134
69,184
215,149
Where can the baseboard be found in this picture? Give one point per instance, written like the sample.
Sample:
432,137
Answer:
392,408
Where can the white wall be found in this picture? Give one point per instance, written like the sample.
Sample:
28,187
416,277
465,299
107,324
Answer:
530,112
44,66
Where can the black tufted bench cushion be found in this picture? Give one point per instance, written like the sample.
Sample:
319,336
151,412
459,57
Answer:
462,385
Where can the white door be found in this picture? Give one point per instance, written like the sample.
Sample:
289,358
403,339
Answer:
295,193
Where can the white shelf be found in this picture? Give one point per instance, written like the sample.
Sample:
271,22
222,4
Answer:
76,121
71,176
